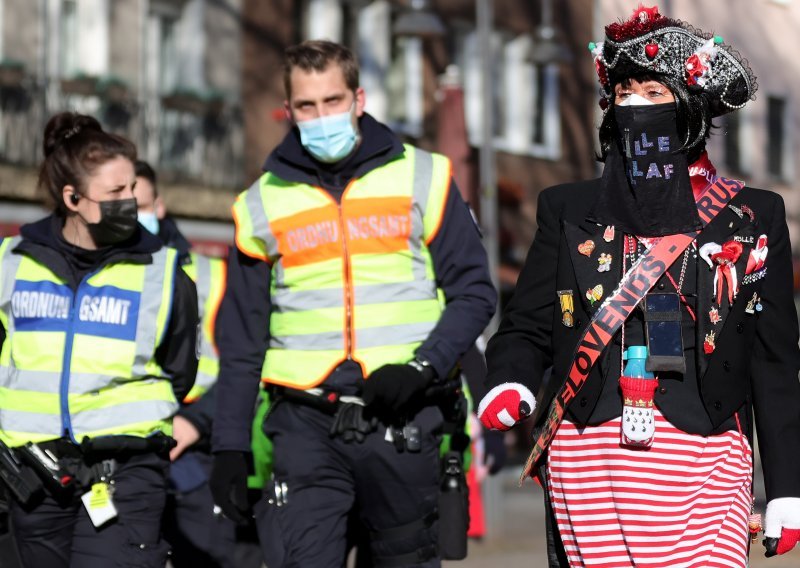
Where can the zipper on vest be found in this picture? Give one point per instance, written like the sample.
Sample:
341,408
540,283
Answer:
66,365
66,422
348,292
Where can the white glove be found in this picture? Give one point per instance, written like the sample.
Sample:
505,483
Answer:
505,405
782,525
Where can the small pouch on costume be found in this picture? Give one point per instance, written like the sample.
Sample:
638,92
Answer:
662,316
99,504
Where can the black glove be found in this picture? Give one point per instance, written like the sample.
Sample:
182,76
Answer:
351,424
392,387
494,450
229,485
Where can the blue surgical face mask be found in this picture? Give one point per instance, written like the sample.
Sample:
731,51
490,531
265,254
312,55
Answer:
149,221
329,138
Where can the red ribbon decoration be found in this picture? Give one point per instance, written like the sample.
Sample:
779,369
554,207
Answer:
726,269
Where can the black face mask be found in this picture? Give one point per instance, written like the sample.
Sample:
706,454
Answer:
646,187
117,221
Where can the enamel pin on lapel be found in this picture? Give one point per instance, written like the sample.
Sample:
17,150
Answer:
608,234
708,344
713,316
753,305
604,263
567,307
586,247
758,256
594,294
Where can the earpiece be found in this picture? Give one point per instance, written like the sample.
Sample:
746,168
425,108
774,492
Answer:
74,198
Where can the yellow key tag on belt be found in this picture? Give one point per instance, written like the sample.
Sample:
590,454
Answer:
99,505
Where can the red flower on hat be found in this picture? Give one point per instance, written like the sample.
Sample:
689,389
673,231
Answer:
694,69
643,20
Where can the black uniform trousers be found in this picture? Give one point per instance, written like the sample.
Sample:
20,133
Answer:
199,538
327,479
57,535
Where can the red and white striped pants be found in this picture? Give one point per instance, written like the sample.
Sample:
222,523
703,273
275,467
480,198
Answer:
684,502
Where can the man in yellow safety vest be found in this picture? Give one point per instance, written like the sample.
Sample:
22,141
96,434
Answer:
357,282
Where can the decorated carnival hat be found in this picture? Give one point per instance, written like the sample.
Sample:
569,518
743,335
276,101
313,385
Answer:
651,43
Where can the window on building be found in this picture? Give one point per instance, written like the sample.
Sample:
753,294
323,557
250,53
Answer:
776,136
1,28
524,108
167,54
69,48
405,86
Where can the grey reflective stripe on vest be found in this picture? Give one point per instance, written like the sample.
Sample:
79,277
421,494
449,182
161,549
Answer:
202,281
9,265
389,335
423,174
30,422
261,229
48,382
204,381
286,301
119,415
147,322
207,351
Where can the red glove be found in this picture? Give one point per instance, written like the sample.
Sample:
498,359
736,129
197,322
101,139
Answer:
505,405
782,525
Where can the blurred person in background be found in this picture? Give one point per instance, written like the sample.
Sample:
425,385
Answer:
661,294
358,281
98,346
198,535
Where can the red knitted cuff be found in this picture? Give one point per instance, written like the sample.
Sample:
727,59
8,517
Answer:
638,391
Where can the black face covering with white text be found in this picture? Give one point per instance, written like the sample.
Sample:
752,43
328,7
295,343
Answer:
646,187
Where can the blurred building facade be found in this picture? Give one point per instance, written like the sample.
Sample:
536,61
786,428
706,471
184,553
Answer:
164,73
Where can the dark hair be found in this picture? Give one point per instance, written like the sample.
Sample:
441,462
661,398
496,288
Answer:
317,55
694,115
74,146
143,169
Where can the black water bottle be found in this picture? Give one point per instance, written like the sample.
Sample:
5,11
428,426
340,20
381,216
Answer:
453,509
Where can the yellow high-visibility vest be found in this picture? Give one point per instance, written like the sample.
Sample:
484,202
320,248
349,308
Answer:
208,275
83,363
349,280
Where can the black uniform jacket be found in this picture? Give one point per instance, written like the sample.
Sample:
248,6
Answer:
754,366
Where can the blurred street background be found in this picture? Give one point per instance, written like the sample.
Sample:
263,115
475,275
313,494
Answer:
505,88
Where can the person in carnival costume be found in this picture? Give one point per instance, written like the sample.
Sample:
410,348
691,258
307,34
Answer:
661,295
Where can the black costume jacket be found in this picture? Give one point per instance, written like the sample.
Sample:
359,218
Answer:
754,366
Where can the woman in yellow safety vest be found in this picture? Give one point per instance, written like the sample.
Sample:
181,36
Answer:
97,346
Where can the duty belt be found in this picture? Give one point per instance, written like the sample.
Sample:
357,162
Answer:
326,400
